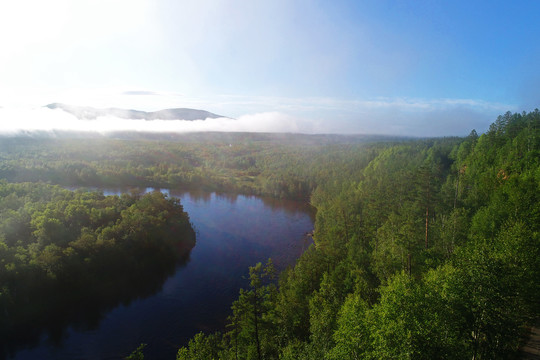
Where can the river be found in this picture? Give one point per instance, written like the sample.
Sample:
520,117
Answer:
233,233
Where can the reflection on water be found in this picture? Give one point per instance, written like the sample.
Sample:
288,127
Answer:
290,206
82,306
233,233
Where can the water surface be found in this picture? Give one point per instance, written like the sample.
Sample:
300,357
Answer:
233,233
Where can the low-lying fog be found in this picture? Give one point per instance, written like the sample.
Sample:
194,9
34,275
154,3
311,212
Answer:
18,120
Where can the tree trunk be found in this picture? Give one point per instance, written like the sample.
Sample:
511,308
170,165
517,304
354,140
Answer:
427,209
409,263
256,318
457,189
427,222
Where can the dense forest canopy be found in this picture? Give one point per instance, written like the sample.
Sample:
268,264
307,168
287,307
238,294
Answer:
279,165
423,248
428,250
66,255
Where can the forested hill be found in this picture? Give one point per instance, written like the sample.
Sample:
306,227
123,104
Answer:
430,251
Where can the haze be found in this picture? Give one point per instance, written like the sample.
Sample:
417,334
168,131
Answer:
418,68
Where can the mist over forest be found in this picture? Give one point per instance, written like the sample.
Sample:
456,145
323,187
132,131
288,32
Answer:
278,179
421,247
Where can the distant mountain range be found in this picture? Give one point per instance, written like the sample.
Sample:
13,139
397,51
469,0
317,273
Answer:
90,113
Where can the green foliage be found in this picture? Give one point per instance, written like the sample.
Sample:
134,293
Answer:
324,306
60,249
351,336
411,322
263,164
295,288
429,250
422,249
201,347
253,330
137,354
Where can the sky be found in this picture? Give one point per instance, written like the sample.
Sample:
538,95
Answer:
420,68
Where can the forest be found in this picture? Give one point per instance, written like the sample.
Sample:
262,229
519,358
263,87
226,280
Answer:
277,165
66,256
422,248
429,249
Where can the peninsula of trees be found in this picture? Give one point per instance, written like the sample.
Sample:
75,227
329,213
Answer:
65,255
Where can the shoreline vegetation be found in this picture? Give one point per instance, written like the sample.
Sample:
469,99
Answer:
430,250
423,248
66,257
275,165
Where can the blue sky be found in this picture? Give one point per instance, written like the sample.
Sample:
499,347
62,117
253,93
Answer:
427,68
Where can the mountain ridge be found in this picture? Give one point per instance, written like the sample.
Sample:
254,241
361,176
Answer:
91,113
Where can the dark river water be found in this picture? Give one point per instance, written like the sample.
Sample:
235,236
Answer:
233,233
